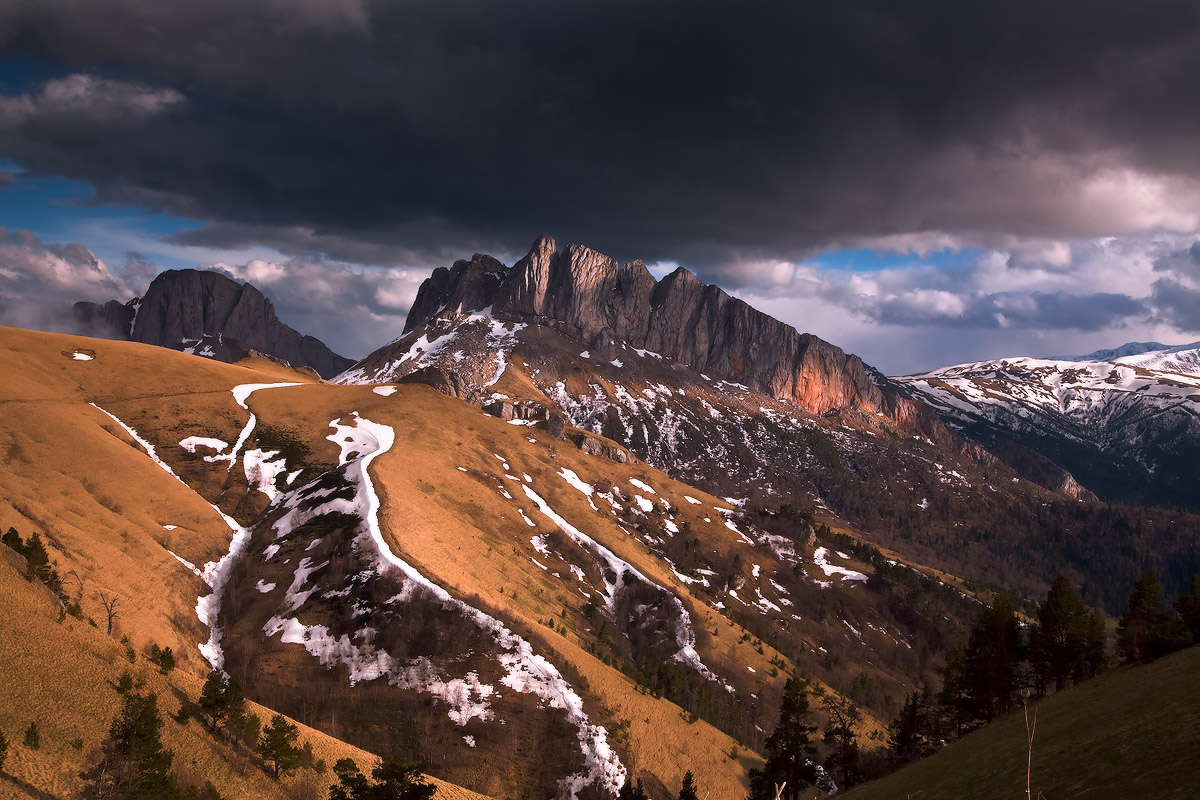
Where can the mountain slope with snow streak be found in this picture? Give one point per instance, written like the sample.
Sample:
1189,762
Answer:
526,672
1127,428
304,591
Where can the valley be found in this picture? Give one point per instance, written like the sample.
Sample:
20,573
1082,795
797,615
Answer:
576,529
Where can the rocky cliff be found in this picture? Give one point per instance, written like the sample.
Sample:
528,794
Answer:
601,304
209,314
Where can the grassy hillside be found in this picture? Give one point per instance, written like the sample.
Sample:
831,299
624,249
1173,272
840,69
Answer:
62,674
1134,732
458,491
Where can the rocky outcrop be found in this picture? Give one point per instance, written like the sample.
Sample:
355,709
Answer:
468,285
111,320
189,309
445,381
600,304
594,446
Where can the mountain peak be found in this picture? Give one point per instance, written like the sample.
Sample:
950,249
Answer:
1127,349
209,313
601,305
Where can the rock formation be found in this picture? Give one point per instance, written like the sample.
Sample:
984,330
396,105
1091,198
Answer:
600,304
194,307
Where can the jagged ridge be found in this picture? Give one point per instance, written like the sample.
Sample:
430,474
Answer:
601,304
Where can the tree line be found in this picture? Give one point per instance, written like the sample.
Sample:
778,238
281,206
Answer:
1001,661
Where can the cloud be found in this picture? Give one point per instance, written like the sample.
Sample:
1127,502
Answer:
1184,261
39,283
694,132
423,244
352,309
85,97
1178,305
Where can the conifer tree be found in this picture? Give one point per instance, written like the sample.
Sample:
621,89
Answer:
3,750
13,539
352,784
214,699
632,791
36,557
789,749
687,791
1188,606
163,658
33,737
278,746
133,764
1136,630
913,734
844,717
395,780
248,729
1059,643
982,676
234,700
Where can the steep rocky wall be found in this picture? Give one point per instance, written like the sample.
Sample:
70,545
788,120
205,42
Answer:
195,304
600,303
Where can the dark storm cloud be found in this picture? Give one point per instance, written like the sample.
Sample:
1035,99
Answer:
1186,261
1178,305
697,131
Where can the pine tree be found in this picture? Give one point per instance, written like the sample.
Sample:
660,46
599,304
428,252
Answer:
1188,606
632,791
36,557
3,749
133,764
214,699
1136,630
278,745
395,780
351,785
13,539
1059,643
248,729
163,658
789,749
235,709
842,761
913,734
954,696
687,791
981,677
33,737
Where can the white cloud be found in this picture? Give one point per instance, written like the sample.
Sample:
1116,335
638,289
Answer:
39,283
352,309
1033,297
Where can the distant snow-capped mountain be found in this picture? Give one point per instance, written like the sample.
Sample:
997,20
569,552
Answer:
1125,422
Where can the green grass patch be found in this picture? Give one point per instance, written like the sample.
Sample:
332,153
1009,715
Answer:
1134,732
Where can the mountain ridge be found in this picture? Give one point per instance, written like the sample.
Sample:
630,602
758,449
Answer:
602,305
207,313
1122,426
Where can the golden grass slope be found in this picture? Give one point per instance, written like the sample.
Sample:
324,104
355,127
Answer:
450,507
63,676
457,528
70,473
